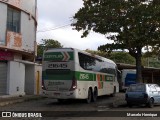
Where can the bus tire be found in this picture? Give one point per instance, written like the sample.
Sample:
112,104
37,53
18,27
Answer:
89,97
114,92
95,95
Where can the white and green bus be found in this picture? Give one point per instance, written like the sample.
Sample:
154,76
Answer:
69,73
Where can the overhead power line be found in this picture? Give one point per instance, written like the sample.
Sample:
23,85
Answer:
54,28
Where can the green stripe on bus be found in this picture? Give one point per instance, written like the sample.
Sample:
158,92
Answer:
58,56
83,76
80,76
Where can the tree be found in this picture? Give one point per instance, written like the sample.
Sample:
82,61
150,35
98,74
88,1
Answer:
47,43
135,22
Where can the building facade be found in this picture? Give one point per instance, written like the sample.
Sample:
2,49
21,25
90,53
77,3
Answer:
18,24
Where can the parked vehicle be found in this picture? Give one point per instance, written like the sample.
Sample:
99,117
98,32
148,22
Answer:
128,77
141,93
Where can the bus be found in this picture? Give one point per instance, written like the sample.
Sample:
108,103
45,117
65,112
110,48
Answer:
69,73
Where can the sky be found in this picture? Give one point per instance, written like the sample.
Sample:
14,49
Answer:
55,14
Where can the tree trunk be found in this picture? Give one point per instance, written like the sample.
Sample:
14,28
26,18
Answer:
139,66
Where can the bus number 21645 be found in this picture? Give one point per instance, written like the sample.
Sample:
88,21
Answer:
62,65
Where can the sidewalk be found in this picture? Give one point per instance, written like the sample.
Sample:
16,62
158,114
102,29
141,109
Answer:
6,100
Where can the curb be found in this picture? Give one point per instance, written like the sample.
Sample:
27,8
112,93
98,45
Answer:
19,100
10,102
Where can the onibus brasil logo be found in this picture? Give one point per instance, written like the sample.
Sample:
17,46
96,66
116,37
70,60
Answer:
21,114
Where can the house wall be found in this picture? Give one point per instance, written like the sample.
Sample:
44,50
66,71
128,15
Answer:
16,78
28,30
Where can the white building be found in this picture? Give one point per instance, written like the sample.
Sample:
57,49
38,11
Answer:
19,74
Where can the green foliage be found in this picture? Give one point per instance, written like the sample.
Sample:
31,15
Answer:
47,43
151,61
122,57
135,22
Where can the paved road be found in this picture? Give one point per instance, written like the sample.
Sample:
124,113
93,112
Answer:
49,104
106,106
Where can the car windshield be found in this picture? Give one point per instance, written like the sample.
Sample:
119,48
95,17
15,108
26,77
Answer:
136,88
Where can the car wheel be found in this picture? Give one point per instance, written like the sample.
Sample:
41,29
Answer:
89,98
151,103
95,94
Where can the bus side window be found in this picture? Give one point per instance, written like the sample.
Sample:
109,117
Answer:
86,62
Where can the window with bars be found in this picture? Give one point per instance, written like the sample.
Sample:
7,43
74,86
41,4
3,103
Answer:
13,20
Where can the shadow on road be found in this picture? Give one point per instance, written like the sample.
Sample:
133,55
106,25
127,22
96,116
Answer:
100,99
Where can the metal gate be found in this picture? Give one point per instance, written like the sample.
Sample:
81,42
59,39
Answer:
3,78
